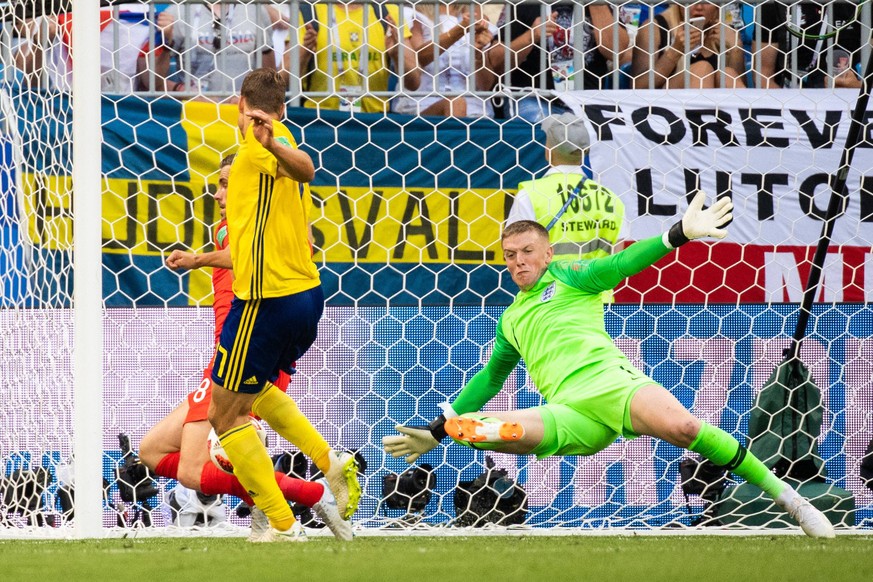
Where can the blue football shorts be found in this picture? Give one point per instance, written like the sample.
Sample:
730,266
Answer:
262,337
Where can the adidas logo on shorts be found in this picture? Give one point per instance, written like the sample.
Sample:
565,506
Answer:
252,380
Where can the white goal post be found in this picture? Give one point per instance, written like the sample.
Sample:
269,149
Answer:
87,266
105,171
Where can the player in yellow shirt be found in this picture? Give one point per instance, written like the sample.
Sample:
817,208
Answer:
277,304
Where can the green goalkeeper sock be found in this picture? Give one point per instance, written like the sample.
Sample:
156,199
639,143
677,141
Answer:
725,451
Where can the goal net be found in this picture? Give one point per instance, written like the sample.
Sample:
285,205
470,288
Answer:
408,213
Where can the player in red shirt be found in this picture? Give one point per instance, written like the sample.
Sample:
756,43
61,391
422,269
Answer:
176,446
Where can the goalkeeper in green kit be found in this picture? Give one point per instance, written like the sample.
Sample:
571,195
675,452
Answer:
593,394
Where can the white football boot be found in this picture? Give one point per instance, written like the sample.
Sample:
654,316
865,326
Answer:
260,524
293,534
343,479
813,522
327,511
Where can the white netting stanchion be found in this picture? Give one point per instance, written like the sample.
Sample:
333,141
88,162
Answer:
36,320
407,219
53,381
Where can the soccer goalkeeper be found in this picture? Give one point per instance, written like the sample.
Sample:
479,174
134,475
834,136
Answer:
593,393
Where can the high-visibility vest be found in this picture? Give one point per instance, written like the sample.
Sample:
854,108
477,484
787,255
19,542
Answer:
588,228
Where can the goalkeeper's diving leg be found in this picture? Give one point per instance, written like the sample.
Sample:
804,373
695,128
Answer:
656,412
653,411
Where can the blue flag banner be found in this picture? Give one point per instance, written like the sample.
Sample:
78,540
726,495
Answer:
406,208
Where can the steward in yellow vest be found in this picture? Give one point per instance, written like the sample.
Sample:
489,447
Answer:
583,218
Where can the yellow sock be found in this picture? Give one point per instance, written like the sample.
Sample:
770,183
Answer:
253,468
281,413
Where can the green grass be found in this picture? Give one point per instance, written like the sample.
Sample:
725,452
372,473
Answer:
444,559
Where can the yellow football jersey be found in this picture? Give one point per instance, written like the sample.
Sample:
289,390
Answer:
268,224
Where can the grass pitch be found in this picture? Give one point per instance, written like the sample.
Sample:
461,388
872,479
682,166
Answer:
445,559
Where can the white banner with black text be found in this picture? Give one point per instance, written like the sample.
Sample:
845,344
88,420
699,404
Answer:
774,152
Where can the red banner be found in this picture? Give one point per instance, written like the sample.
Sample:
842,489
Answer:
727,272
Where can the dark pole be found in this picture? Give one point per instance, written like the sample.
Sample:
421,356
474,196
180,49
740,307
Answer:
835,204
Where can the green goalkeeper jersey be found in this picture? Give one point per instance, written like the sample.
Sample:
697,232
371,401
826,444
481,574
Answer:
557,327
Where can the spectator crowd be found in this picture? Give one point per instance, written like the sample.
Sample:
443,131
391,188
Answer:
448,58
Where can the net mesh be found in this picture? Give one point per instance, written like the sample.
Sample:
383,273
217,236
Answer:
409,208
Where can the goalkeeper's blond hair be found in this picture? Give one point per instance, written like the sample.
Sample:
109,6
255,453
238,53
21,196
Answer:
523,226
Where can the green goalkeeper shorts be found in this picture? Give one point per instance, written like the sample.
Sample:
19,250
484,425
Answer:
587,420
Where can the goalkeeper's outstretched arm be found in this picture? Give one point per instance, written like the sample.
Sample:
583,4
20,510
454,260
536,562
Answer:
412,442
601,274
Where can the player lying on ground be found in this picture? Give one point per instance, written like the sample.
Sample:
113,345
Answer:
176,446
593,393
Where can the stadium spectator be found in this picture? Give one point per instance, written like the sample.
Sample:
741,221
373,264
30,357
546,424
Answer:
583,218
176,446
277,304
670,47
804,62
632,14
346,63
43,53
454,69
595,37
281,25
593,393
217,44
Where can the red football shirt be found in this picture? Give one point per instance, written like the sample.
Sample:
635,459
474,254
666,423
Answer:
222,282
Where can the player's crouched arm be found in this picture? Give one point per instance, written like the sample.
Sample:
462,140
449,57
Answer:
186,260
293,163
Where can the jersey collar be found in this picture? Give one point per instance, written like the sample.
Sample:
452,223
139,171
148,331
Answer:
564,170
544,280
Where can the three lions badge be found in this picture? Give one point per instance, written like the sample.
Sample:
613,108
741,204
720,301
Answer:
548,292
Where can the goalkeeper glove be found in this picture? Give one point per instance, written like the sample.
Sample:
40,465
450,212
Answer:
413,442
416,441
698,223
